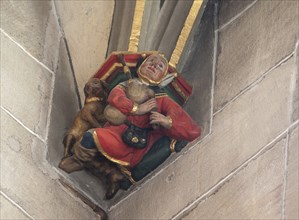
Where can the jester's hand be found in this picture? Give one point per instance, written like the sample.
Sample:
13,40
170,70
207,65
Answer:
146,107
162,120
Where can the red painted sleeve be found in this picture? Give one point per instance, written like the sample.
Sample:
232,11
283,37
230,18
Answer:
119,100
183,127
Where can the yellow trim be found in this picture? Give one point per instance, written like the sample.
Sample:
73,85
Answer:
128,174
172,145
122,87
126,70
146,52
93,99
176,54
131,64
113,67
135,108
178,89
158,95
95,137
136,26
170,121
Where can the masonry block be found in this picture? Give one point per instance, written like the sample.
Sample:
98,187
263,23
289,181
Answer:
86,25
52,42
253,193
197,69
295,87
122,22
64,109
262,36
25,87
239,131
292,192
230,8
22,180
33,25
9,210
65,106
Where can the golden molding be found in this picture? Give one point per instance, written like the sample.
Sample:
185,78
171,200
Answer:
178,89
172,145
176,54
136,26
114,67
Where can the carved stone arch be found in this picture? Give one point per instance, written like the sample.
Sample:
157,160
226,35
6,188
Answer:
161,24
155,23
121,26
195,64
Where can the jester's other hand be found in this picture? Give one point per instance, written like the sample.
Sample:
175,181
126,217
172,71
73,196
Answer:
162,120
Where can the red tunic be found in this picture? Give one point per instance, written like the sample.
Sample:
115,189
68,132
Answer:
109,139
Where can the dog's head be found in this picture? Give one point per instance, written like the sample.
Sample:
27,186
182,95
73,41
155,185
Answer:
96,88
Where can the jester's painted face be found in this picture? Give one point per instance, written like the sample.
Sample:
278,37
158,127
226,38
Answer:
153,69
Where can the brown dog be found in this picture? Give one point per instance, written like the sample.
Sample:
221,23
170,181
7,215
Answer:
90,116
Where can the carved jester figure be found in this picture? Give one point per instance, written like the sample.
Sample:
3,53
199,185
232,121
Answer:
152,129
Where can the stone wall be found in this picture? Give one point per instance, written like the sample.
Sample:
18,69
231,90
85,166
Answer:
38,98
247,167
86,26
